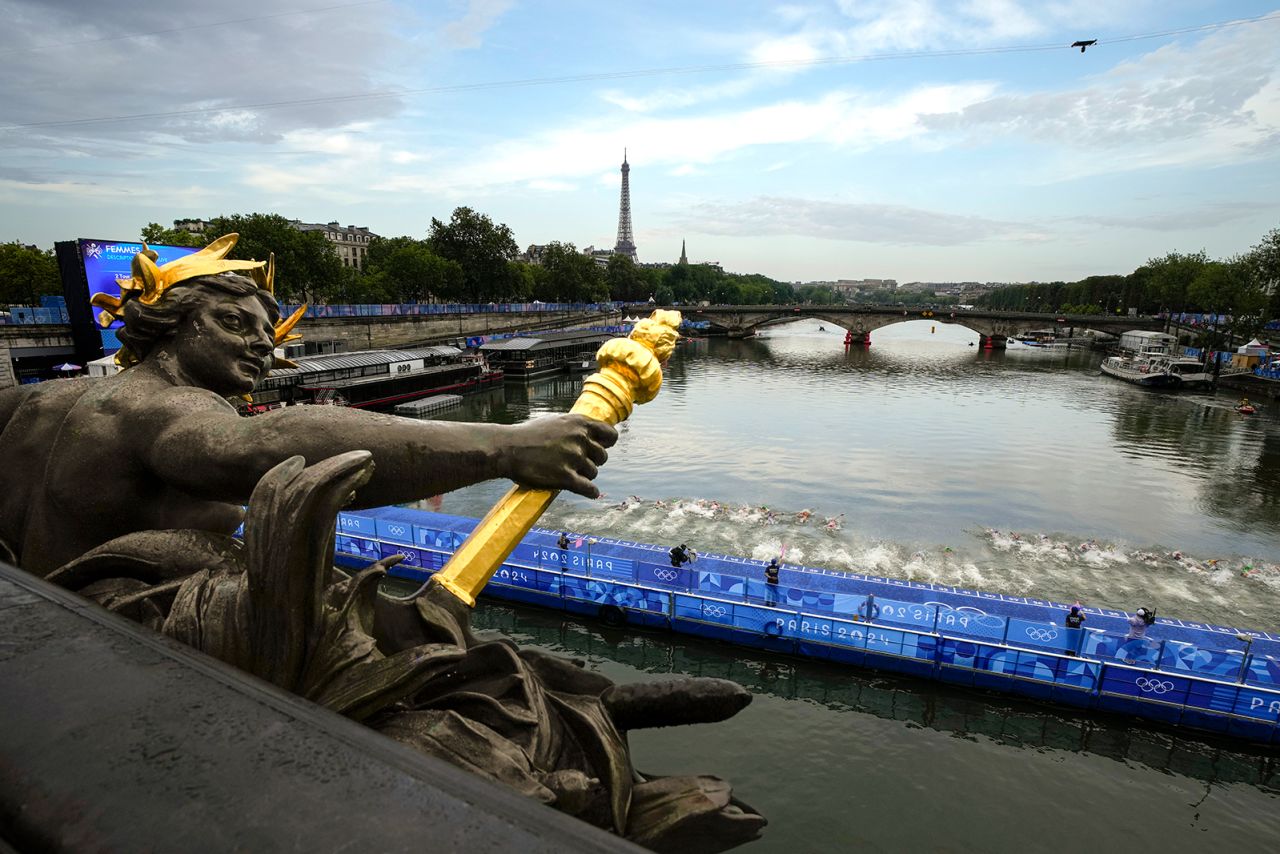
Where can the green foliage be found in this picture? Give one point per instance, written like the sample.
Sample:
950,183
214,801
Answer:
406,270
482,249
26,273
155,234
624,280
570,276
307,265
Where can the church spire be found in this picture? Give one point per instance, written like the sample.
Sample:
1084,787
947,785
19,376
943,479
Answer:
684,259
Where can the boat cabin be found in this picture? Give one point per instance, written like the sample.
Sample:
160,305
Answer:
1142,343
542,353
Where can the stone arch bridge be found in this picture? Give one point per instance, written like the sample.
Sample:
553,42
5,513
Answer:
995,327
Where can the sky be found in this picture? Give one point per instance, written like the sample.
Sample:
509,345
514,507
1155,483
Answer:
918,140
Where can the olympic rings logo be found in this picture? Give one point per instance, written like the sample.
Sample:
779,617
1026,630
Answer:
396,529
665,574
714,610
1153,686
1041,634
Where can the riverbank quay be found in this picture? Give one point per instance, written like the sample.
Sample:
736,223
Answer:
1188,674
1256,387
114,738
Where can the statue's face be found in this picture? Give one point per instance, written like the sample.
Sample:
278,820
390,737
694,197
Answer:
225,344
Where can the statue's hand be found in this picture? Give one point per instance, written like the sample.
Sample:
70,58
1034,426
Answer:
560,452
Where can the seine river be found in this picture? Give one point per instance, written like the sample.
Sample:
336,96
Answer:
922,457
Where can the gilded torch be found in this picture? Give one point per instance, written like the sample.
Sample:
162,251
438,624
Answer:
630,373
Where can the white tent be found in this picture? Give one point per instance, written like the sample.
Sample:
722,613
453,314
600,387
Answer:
104,367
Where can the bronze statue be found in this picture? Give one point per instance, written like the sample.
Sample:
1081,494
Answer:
128,489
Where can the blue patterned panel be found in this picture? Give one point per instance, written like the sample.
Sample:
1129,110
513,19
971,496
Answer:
1265,671
435,538
902,613
613,593
516,576
549,582
716,611
959,653
1142,651
805,627
688,607
813,600
395,530
433,560
752,619
1212,697
725,585
887,640
412,557
607,566
1215,663
1254,703
848,634
1041,635
1078,674
1041,668
970,623
1146,685
663,576
352,523
994,659
356,547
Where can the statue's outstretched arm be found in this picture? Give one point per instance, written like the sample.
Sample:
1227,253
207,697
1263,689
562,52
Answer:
10,400
204,448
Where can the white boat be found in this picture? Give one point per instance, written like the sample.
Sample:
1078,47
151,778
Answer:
1038,338
1148,359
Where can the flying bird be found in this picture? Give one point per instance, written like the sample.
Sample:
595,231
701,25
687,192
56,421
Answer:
1084,44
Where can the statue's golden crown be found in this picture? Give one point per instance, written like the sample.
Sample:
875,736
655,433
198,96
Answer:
148,283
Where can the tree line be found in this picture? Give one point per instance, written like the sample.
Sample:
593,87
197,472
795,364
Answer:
469,259
1245,286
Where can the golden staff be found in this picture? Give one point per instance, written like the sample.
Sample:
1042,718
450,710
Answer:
630,373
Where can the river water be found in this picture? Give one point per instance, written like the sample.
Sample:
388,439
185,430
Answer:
922,457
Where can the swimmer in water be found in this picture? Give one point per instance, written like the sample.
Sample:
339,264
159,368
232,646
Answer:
803,516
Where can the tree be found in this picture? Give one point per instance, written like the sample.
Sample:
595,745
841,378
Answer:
156,234
1263,262
1226,287
1170,277
307,265
483,250
407,271
26,272
624,281
571,276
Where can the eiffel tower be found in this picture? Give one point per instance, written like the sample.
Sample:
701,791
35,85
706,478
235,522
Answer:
626,241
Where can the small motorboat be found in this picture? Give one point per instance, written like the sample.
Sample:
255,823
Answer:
1246,409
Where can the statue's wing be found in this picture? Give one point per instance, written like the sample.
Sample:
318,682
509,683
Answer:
152,557
288,535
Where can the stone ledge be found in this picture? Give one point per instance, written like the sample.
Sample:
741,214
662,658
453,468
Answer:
114,738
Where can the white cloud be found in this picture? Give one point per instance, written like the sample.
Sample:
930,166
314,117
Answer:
849,119
479,17
551,186
866,223
1215,101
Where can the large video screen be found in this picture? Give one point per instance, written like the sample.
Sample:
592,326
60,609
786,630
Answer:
108,263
